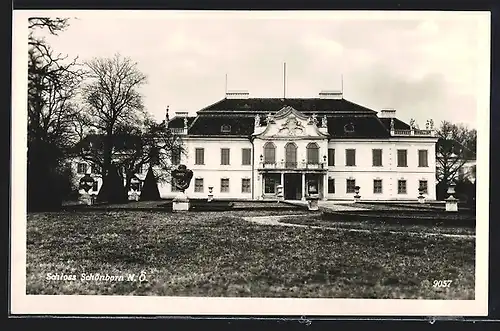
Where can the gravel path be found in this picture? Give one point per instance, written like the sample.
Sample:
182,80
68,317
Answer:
274,220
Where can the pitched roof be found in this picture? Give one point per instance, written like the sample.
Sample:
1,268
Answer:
398,124
357,127
239,115
212,125
305,105
178,122
95,140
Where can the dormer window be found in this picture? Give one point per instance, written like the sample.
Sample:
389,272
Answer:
349,128
225,128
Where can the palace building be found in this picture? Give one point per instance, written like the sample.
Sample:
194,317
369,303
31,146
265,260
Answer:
244,148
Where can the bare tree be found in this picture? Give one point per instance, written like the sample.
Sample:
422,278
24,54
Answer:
135,147
113,100
456,145
53,84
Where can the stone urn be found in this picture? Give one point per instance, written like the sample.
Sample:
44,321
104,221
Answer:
421,197
182,178
210,193
85,185
134,193
312,196
357,197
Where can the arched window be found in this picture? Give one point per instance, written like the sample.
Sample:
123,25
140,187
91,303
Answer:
291,155
269,153
312,153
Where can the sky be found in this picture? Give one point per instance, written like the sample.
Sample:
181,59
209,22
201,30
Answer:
424,67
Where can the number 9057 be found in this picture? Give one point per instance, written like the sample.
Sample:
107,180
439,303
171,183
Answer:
441,283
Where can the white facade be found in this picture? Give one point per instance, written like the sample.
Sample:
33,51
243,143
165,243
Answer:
330,177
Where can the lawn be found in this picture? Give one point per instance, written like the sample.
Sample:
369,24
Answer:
379,225
219,254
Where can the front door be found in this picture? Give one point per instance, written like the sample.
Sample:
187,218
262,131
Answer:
293,187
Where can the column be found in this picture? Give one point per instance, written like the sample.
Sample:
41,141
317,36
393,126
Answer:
325,187
258,188
303,187
283,181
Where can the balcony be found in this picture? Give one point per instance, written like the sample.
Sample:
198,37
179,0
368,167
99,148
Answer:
292,166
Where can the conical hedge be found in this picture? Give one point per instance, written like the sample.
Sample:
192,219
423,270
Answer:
150,190
113,190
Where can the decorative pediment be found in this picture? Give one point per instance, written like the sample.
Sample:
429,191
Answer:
290,123
288,111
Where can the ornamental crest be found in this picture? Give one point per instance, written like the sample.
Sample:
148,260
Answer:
291,127
182,177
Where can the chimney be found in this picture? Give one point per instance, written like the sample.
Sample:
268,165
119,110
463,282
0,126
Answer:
330,94
237,94
181,114
388,113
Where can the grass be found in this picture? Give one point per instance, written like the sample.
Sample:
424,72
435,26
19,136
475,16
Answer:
219,254
378,226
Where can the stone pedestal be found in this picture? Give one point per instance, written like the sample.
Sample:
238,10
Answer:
451,204
134,196
312,202
86,199
279,194
180,202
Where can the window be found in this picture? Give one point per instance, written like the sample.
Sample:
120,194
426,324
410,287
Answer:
269,153
377,186
331,185
82,168
245,185
331,157
351,183
224,156
377,157
422,158
291,155
224,185
422,185
270,183
312,153
401,186
198,185
402,158
95,186
199,156
246,156
225,128
350,157
176,157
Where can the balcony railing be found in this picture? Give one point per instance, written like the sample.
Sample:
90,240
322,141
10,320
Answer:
292,165
178,130
414,132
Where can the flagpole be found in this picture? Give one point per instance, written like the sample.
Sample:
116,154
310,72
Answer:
284,80
342,84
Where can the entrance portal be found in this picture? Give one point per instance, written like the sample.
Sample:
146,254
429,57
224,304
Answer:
293,186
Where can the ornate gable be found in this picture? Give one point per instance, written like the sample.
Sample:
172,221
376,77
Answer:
288,123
